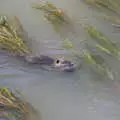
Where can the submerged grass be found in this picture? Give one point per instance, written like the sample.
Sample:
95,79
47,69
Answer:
112,19
54,15
12,102
104,44
67,44
111,5
116,21
96,62
10,38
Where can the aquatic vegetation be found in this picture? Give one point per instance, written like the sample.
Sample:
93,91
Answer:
55,16
98,63
115,21
95,61
67,44
111,18
105,44
116,25
10,38
111,5
93,32
13,106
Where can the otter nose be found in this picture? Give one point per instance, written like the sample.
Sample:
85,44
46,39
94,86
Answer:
71,67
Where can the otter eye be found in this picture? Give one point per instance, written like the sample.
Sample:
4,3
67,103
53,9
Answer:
57,61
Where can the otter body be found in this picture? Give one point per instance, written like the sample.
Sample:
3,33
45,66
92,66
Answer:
57,64
42,60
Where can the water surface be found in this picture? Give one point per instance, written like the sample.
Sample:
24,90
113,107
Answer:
60,96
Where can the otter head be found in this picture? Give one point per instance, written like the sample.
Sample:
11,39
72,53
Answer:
64,65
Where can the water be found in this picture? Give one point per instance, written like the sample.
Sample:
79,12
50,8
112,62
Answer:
60,96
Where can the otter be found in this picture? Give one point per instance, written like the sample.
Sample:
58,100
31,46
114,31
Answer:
59,64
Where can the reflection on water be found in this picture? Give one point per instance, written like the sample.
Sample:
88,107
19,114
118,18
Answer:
59,95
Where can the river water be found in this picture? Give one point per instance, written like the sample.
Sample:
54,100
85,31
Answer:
60,96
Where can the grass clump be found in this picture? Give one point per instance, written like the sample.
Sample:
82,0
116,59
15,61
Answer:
53,14
10,37
13,106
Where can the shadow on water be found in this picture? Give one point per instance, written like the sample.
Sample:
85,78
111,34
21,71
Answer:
58,95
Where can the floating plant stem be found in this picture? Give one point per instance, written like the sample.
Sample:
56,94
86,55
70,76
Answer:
54,15
93,32
108,50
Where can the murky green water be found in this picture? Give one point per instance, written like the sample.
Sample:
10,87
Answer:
60,96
